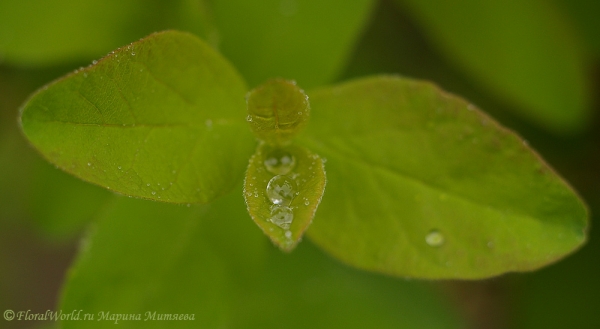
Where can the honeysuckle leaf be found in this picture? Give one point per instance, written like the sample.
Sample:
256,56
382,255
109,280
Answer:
34,33
145,257
524,52
307,41
423,184
282,189
277,111
161,119
207,260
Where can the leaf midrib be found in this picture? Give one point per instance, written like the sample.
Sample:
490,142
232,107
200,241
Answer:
416,180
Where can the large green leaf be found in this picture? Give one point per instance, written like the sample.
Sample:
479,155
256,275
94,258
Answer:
422,184
49,32
210,261
162,118
585,14
307,289
523,51
307,41
146,256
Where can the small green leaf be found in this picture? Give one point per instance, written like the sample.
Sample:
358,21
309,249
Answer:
423,184
283,189
162,119
277,111
523,51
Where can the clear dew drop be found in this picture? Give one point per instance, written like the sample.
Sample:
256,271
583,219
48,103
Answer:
280,162
249,118
280,190
282,216
434,238
153,193
288,234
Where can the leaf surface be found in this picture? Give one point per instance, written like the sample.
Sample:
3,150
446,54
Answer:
422,184
307,41
143,256
34,33
525,52
283,203
162,119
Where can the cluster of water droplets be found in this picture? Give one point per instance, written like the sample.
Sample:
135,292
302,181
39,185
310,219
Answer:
281,189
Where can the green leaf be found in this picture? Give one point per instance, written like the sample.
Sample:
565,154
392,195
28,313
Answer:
60,204
585,15
162,119
523,51
423,184
283,189
307,41
277,111
307,289
34,33
153,257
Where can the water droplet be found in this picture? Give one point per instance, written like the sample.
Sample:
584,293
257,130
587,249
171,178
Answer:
306,202
94,62
280,190
288,234
89,164
280,162
119,167
132,53
434,238
148,184
249,118
282,216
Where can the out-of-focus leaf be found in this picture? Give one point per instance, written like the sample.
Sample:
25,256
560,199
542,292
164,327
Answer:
522,51
306,289
283,202
422,184
585,15
170,259
60,204
35,33
564,295
162,118
307,41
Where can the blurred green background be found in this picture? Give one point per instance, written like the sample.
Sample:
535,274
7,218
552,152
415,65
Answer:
533,65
